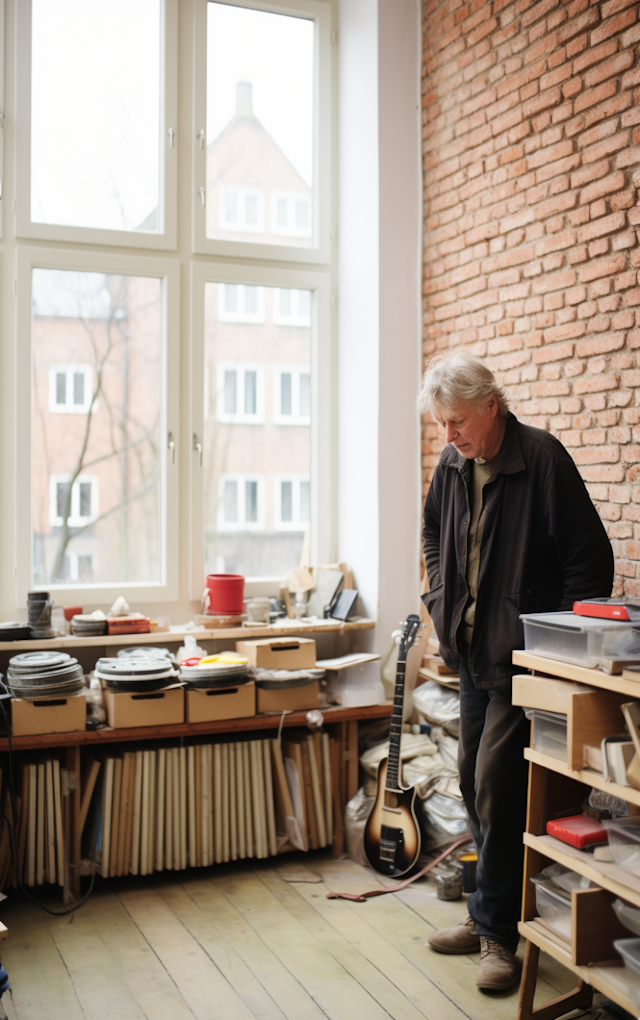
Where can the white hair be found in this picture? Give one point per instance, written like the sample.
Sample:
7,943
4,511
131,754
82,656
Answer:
460,376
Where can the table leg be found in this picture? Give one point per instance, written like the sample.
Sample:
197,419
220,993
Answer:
580,998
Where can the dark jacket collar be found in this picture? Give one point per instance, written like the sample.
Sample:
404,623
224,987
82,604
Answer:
511,459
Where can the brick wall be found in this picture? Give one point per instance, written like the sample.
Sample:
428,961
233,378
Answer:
531,150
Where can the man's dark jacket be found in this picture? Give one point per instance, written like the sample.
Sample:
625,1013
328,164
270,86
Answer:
543,547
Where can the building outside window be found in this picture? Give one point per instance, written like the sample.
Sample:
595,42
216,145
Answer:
292,395
240,393
70,389
292,307
77,509
238,302
291,213
292,509
241,208
241,503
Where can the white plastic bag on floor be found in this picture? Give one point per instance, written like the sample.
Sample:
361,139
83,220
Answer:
438,704
411,745
356,814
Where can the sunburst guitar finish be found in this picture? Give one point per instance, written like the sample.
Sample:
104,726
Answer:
392,834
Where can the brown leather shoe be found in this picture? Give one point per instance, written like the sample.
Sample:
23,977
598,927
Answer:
461,939
498,970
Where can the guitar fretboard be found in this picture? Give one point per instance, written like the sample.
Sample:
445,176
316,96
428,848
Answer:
393,765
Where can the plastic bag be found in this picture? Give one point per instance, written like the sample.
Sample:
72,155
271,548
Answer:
443,819
411,745
356,814
190,650
431,774
438,704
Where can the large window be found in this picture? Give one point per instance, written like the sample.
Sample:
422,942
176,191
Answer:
97,436
97,125
174,414
263,100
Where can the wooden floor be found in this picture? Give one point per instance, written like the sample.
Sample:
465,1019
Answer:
241,942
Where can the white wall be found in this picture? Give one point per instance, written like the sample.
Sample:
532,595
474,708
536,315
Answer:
379,491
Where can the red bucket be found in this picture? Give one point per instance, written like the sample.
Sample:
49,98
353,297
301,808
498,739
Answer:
227,592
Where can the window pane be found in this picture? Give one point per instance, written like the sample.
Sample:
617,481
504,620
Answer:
251,502
260,73
305,502
251,300
61,388
285,303
78,388
95,114
230,391
251,393
285,393
230,298
245,465
112,324
305,395
231,502
286,501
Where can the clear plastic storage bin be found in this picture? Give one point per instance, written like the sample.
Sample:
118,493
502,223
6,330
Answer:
624,842
627,915
629,950
554,907
549,734
584,640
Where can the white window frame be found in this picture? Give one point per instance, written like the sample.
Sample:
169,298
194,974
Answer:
168,270
295,524
295,418
247,318
242,191
290,197
75,519
296,320
163,239
323,403
241,525
69,407
240,417
321,215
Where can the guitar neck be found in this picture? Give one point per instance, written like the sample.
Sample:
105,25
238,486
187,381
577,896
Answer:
393,765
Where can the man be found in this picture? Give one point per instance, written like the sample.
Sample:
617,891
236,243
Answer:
509,528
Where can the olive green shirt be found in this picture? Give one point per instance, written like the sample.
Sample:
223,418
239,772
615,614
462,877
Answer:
481,473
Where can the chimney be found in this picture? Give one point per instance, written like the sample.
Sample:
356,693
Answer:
244,99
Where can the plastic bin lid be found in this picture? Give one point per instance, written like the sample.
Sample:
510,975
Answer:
571,621
538,713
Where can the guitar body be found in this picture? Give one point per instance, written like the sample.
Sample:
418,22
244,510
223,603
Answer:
392,834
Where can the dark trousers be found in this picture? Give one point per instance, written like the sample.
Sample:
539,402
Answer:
493,781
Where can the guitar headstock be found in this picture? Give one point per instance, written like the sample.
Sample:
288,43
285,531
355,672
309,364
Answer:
409,633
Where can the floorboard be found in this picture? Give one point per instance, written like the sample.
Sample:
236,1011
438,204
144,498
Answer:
240,942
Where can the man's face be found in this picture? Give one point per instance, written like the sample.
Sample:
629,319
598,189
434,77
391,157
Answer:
473,431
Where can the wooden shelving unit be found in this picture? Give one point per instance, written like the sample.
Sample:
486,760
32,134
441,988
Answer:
251,724
178,636
555,787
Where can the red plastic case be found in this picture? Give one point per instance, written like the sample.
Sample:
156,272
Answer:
578,831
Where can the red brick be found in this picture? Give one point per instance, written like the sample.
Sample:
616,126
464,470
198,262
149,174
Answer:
603,267
614,25
593,55
604,186
603,225
615,66
606,147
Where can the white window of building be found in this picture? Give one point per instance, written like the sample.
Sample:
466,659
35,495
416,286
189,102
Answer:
241,209
292,509
70,389
292,395
78,567
291,213
240,302
78,508
240,393
241,502
291,307
97,153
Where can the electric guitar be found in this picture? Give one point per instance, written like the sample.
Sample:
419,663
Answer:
392,835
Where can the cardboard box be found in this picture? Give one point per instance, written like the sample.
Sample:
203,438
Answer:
159,708
279,653
290,699
48,715
227,703
545,693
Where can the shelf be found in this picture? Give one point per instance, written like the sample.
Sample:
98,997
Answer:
178,636
618,881
586,776
610,980
252,723
579,674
